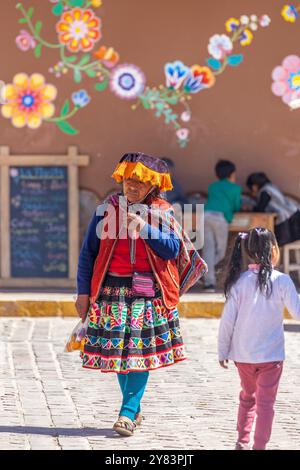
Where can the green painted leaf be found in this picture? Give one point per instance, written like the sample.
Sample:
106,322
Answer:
170,117
145,102
154,95
38,51
38,27
183,143
71,58
22,20
58,9
84,59
30,12
76,3
171,100
101,86
159,105
65,108
235,60
91,73
214,63
65,127
77,76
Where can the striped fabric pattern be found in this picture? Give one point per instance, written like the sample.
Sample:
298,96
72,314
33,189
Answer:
143,284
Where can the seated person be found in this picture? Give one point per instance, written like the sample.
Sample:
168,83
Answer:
270,199
224,198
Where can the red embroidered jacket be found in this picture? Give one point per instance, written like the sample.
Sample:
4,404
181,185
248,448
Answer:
175,262
164,270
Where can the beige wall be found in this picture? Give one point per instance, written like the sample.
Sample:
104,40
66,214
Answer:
239,118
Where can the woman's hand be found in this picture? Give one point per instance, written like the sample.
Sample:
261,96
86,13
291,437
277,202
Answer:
82,305
138,222
223,364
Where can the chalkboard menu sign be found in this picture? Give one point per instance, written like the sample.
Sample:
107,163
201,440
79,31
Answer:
39,221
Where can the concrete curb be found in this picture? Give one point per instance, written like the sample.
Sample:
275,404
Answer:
62,305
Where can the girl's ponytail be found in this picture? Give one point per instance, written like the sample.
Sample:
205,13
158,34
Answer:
259,247
236,263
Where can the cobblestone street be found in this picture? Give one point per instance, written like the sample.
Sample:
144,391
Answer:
49,402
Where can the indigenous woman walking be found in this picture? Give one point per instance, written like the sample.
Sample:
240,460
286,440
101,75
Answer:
134,263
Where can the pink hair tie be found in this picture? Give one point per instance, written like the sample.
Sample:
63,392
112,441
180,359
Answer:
254,266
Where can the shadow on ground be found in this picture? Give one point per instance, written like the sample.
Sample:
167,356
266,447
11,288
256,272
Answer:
57,432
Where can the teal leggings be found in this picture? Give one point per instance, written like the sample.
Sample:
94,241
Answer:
132,386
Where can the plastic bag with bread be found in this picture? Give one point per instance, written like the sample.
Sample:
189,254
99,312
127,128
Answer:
76,339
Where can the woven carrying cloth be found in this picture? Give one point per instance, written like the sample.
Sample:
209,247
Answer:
127,333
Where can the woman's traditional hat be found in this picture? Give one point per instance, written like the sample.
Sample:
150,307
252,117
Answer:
145,168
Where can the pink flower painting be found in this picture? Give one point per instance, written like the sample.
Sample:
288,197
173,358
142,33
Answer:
286,79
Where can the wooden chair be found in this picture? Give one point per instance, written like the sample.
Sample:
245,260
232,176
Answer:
292,248
288,265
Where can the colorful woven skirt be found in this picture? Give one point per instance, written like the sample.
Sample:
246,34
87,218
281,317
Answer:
129,333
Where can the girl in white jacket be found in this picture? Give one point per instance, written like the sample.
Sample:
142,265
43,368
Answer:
251,330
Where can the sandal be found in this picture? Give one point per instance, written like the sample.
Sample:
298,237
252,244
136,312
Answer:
124,426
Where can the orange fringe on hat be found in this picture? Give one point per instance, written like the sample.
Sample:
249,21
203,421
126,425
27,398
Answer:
128,169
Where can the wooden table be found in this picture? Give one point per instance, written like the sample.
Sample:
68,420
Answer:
243,221
247,220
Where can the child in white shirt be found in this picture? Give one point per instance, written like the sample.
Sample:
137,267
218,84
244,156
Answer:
251,330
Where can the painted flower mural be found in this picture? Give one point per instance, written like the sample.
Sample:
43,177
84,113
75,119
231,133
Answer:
219,46
80,98
246,37
127,81
25,41
183,81
264,21
290,13
96,3
108,56
232,24
286,79
28,100
79,30
175,72
198,79
182,134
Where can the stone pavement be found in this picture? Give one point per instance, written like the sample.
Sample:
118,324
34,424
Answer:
47,401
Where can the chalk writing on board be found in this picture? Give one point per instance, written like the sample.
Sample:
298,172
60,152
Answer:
39,221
